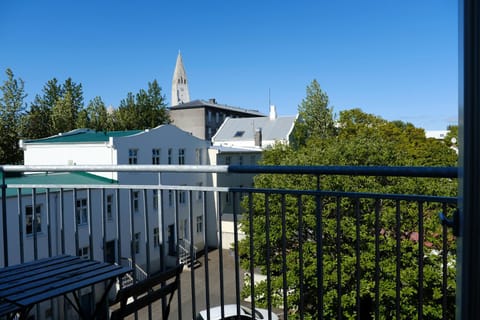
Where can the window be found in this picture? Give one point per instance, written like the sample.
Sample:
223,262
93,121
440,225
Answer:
132,156
83,253
156,237
170,156
199,193
109,207
252,160
181,156
199,224
29,219
240,160
135,200
239,134
170,198
217,117
136,243
209,115
155,156
228,160
81,212
182,196
155,199
198,156
209,133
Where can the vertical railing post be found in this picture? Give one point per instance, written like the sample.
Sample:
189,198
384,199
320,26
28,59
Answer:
4,218
468,281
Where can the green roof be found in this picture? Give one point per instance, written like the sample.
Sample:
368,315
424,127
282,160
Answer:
80,178
83,135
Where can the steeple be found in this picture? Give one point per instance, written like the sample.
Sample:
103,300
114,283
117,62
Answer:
180,92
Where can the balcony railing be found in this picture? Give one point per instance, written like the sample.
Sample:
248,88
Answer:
311,251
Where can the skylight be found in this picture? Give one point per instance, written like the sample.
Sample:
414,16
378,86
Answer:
239,134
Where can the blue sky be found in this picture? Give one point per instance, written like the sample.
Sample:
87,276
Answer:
395,59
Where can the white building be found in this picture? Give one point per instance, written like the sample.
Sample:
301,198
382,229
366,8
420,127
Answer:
241,141
165,144
132,217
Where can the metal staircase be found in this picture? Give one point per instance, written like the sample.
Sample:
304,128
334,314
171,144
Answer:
184,256
139,275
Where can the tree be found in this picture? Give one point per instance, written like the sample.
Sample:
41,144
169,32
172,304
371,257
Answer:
11,109
96,116
63,114
75,93
316,119
56,110
146,109
361,139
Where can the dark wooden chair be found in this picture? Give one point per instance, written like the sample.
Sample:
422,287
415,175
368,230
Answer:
145,292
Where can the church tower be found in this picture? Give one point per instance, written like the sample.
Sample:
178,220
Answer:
180,92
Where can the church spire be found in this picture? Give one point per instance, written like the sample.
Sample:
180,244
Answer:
180,92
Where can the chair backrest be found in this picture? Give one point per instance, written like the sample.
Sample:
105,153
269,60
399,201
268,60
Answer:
145,292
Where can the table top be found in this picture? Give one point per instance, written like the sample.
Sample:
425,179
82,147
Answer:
36,281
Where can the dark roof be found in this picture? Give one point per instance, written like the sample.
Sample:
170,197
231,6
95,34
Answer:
212,104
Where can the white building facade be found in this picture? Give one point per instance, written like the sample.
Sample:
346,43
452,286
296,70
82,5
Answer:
167,210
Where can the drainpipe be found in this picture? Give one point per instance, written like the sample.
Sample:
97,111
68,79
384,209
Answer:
4,218
468,259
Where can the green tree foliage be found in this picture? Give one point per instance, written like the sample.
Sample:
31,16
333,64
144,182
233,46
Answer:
56,110
95,116
315,116
146,109
12,107
359,139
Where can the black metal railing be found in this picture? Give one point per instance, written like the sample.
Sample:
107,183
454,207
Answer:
319,249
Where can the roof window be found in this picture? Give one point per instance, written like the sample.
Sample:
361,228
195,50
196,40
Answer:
239,134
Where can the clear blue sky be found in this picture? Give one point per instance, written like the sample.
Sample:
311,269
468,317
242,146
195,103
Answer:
395,59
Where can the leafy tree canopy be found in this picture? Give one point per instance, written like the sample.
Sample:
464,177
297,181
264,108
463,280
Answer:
356,138
146,109
12,107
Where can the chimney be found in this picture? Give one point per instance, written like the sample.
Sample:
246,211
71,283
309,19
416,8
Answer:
273,112
212,100
258,137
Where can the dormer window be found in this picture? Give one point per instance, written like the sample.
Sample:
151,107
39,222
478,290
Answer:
239,134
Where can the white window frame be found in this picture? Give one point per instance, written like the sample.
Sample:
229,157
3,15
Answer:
181,156
156,155
109,210
132,156
199,224
81,211
29,219
136,243
156,237
199,192
170,152
155,199
136,201
84,252
182,196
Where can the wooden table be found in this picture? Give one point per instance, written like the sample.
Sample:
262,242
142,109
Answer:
24,285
